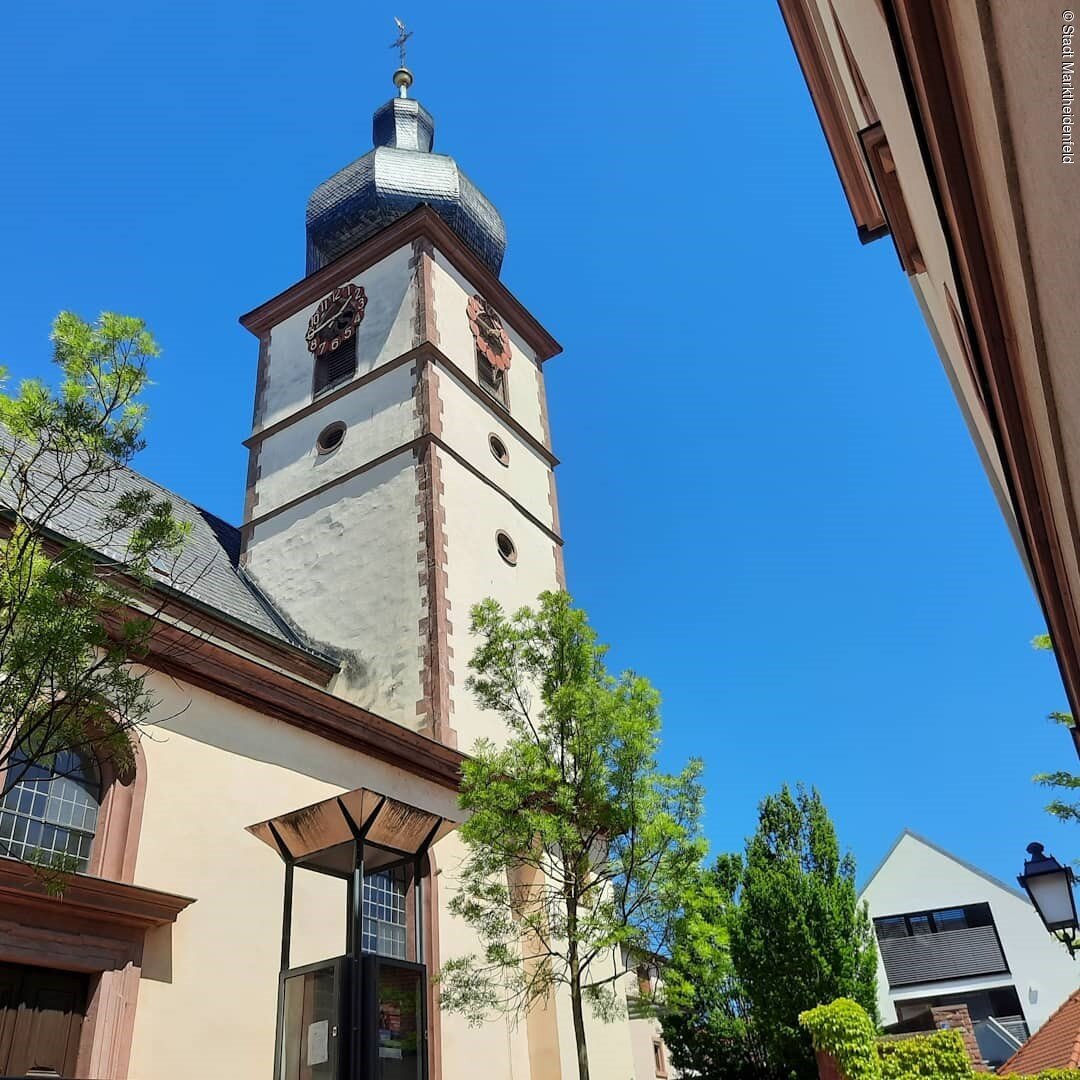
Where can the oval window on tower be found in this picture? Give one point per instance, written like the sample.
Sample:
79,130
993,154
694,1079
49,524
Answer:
498,449
506,548
330,438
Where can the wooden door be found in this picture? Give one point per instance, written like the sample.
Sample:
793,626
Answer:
41,1017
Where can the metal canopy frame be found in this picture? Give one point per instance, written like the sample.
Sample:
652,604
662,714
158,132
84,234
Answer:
318,838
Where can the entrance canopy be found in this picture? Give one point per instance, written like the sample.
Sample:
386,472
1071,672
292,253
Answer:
323,836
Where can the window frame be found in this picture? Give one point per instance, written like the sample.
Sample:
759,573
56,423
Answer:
932,923
659,1057
115,846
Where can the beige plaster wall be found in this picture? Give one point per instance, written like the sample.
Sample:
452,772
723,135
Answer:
207,997
611,1053
385,333
643,1033
342,566
452,293
498,1048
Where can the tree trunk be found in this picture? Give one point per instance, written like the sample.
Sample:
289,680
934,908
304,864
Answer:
575,990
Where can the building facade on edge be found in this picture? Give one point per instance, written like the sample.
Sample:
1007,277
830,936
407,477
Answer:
265,893
950,123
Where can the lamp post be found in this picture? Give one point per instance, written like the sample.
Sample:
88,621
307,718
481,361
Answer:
1050,887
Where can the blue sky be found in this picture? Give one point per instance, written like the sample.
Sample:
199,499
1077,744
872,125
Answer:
771,504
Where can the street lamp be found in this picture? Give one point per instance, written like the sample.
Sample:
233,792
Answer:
1049,884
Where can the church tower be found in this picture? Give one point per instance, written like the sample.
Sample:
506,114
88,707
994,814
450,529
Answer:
400,460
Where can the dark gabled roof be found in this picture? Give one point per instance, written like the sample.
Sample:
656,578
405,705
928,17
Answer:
206,570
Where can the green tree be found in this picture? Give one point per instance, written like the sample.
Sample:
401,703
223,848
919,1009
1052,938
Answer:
1066,807
799,937
69,634
577,844
705,1017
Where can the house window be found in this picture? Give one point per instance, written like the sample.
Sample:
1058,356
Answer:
335,366
492,379
51,811
920,924
658,1058
940,921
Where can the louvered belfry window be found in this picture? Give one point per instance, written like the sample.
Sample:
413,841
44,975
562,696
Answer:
335,366
491,378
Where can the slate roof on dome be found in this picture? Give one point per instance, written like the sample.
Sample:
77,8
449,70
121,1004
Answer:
401,172
208,567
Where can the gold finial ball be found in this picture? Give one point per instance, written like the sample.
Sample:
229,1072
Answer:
403,78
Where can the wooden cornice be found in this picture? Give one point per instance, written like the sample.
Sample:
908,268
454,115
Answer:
842,140
203,662
421,222
94,898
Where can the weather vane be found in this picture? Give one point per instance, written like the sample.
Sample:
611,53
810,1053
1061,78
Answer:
399,42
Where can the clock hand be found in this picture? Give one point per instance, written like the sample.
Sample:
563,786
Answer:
325,323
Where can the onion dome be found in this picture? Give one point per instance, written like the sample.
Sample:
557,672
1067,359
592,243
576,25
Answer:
399,174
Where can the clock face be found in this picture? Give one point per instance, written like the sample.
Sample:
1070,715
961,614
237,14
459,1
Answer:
336,318
491,337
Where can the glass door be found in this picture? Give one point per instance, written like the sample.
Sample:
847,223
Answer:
398,1010
310,1022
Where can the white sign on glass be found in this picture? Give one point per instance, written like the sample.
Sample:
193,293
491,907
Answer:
318,1042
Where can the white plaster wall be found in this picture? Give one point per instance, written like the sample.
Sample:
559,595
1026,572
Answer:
467,423
452,294
343,567
474,512
917,877
379,416
385,333
207,997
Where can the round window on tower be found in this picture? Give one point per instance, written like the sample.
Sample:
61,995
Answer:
498,449
330,438
506,548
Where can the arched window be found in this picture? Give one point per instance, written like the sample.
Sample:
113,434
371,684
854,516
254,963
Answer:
51,811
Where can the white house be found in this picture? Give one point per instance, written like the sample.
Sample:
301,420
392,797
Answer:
949,934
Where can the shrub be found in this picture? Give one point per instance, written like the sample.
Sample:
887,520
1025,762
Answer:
938,1054
844,1030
